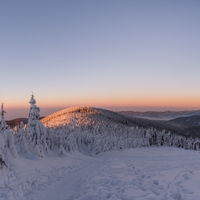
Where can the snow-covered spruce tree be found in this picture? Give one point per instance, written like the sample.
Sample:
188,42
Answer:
63,138
20,138
7,147
35,130
2,141
2,144
196,144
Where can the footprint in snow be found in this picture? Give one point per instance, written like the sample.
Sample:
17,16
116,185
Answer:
176,194
156,182
186,176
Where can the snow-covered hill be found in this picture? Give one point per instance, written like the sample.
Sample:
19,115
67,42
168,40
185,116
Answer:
89,118
103,130
86,116
100,130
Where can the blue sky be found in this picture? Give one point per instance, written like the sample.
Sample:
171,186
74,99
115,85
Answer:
119,55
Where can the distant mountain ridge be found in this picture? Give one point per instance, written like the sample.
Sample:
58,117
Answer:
14,122
167,115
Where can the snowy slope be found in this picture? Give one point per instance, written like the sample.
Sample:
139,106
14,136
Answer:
151,173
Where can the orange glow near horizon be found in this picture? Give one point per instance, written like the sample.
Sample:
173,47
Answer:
145,103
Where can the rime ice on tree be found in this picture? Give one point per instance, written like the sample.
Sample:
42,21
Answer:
6,138
35,129
2,141
20,138
3,122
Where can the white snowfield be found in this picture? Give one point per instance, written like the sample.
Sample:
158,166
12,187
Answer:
148,173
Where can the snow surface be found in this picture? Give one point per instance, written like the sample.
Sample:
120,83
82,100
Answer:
148,173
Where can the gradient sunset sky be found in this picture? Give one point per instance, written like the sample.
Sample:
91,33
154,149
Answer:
119,55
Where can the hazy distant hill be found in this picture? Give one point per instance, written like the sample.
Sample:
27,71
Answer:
165,115
192,124
181,122
14,122
160,125
189,121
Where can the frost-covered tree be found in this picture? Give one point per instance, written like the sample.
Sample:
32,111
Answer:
2,143
20,138
7,147
36,132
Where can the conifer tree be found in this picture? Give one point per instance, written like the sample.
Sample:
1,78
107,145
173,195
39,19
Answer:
21,141
2,144
9,147
36,131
